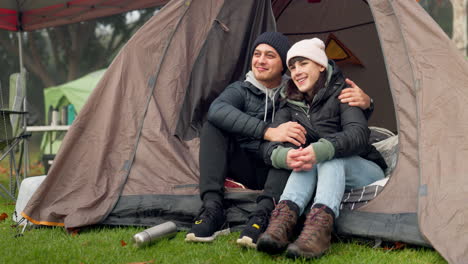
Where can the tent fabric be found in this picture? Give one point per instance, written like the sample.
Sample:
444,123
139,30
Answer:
180,209
440,90
403,182
422,66
120,104
302,19
28,15
136,98
203,88
392,227
131,156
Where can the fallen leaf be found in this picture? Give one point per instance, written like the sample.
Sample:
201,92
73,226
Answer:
123,243
74,232
144,262
3,216
396,245
399,245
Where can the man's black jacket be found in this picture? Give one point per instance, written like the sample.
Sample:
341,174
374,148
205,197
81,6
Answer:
240,111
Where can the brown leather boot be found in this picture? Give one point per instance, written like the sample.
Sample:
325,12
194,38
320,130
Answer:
315,238
278,234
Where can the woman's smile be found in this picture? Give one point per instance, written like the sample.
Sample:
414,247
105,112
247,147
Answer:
305,74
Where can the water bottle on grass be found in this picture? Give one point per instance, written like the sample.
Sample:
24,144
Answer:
164,230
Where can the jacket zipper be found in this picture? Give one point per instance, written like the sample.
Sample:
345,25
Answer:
308,121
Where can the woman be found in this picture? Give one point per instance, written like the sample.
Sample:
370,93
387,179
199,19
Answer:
336,156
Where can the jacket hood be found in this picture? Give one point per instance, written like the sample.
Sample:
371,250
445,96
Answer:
270,93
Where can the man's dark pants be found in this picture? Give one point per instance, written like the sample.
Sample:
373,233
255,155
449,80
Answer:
221,156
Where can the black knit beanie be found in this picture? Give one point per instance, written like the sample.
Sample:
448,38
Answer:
278,41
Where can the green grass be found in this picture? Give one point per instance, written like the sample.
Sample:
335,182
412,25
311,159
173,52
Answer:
104,245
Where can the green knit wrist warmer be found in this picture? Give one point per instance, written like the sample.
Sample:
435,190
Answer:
278,157
324,150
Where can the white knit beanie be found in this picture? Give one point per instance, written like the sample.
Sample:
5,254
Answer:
312,49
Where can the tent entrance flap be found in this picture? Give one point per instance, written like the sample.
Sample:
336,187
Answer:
212,71
353,27
179,29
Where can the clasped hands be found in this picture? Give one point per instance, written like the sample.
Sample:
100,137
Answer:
293,132
301,159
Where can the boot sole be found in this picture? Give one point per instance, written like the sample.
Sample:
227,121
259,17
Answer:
269,245
192,238
298,253
246,241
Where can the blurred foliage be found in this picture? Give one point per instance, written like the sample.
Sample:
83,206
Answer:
56,55
441,11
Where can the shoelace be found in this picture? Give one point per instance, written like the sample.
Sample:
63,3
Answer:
278,221
309,228
206,213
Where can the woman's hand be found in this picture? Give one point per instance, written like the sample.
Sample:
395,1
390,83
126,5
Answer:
287,132
301,159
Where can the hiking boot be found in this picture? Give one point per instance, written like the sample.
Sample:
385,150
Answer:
315,238
256,225
278,234
208,224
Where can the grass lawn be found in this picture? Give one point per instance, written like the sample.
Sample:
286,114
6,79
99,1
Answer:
113,245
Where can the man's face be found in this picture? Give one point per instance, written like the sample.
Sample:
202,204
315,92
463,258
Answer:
266,64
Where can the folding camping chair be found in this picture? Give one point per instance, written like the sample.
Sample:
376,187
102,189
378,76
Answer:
13,134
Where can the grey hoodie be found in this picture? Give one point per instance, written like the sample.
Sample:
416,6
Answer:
269,92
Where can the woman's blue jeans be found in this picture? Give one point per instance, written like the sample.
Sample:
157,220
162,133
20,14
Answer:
329,180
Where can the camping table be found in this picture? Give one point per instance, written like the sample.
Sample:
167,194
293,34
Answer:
49,130
46,128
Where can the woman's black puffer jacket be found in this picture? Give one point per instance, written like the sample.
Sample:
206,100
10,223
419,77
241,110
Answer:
343,125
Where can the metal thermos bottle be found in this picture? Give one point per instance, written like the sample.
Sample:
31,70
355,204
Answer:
55,117
164,230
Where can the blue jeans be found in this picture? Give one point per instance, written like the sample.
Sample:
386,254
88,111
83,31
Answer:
329,180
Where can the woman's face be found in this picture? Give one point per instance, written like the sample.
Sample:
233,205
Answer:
305,74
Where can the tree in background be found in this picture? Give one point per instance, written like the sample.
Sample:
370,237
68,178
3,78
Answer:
460,28
60,54
451,15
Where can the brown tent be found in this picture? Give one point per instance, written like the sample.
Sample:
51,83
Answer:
131,155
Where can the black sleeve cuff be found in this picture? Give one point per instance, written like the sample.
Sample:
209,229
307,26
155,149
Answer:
368,112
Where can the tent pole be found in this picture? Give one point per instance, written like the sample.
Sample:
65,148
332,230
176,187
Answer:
23,86
20,48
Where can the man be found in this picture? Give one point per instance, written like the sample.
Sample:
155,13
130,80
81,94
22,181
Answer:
231,138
